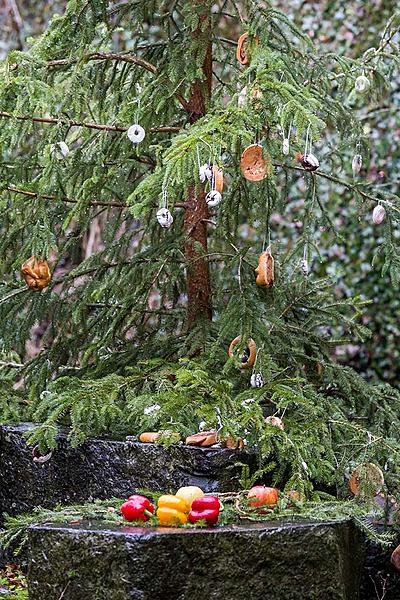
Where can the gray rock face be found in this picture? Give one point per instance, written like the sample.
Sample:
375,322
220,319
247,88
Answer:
103,468
278,562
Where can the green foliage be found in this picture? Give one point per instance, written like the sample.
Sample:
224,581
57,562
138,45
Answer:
113,337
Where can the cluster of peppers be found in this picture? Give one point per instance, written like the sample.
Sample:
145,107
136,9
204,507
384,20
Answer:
188,505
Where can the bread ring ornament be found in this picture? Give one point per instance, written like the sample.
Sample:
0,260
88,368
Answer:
217,179
265,270
36,273
252,163
149,437
203,439
241,53
249,355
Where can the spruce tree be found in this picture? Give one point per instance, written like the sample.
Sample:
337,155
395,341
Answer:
134,336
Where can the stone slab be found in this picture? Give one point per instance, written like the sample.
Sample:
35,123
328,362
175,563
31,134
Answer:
103,468
314,561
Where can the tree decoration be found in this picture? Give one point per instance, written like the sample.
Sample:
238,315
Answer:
217,179
36,273
60,150
286,146
204,439
275,422
213,198
164,216
309,162
378,214
265,269
241,51
249,356
242,97
366,479
252,163
149,437
304,267
356,164
257,380
136,133
205,172
362,84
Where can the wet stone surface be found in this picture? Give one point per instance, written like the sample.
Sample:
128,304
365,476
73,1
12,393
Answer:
102,468
278,562
380,580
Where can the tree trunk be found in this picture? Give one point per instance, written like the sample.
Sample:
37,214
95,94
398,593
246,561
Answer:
198,273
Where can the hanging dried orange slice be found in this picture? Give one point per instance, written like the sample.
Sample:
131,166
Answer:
249,355
265,269
367,480
241,53
218,179
252,163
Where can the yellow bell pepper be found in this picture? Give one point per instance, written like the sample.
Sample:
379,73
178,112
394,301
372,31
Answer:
189,494
168,517
171,510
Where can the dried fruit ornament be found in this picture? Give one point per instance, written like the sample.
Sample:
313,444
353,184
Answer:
265,270
378,214
252,163
367,480
249,355
36,273
241,52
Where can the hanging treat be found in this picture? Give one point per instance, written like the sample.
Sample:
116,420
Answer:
217,182
265,269
356,164
205,173
395,558
252,163
362,84
378,214
232,443
149,437
241,52
60,150
309,162
40,458
249,355
136,133
242,97
257,380
286,146
275,422
36,273
213,198
203,439
367,479
165,218
304,267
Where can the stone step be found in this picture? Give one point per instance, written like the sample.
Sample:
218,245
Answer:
306,561
102,468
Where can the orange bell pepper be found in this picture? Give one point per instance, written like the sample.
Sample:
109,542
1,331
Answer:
171,510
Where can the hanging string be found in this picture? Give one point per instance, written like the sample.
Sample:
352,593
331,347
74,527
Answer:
307,139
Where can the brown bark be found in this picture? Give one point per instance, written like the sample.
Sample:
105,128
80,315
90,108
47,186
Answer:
196,213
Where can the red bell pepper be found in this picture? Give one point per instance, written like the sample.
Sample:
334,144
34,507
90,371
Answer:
137,508
205,509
